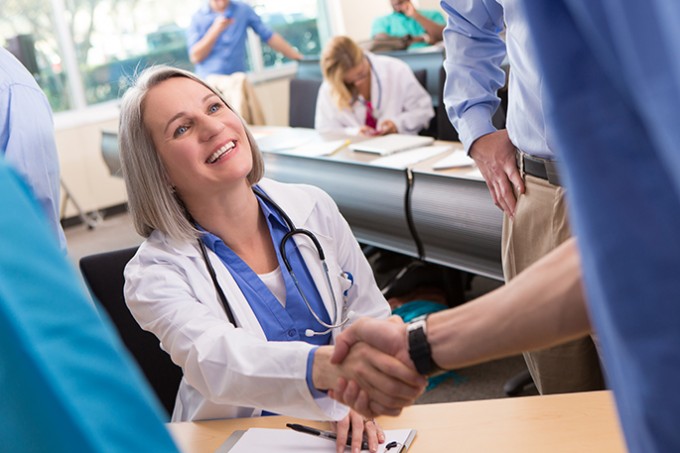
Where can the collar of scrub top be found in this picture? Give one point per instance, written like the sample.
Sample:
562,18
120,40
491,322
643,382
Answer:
316,306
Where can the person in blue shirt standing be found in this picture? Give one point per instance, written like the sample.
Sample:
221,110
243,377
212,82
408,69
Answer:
217,37
615,115
424,27
27,136
518,163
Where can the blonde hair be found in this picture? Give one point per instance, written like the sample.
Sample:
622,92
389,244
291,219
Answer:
340,55
152,202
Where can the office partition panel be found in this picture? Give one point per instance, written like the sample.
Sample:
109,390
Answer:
371,198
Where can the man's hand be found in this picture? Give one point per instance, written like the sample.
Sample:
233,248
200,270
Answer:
407,9
386,379
220,24
495,157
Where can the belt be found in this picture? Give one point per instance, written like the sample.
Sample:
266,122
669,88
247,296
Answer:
541,168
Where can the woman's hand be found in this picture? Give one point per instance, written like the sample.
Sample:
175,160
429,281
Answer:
360,428
387,127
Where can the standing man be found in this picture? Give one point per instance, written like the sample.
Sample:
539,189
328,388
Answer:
27,137
518,163
425,27
217,37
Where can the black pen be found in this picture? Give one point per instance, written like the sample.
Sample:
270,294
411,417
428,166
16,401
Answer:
330,435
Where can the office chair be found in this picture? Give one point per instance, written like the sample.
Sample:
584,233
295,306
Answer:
302,104
110,153
103,273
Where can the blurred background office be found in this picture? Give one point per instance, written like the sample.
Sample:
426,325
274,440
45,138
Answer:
82,52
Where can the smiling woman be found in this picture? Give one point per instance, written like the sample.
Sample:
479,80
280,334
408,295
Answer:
235,295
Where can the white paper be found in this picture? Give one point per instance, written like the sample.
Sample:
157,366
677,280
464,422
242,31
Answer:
410,157
456,159
265,440
287,139
315,148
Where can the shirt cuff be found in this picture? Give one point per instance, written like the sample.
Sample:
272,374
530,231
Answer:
316,393
474,123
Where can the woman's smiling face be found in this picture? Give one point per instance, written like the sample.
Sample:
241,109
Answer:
201,142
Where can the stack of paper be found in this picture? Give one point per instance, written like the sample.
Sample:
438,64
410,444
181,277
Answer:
405,159
288,139
456,159
316,148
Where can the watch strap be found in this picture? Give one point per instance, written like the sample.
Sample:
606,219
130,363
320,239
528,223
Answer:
419,348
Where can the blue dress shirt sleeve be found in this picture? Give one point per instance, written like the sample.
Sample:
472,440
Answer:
255,22
474,53
27,138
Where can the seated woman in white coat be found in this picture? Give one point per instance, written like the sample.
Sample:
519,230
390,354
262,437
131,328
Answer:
369,94
231,275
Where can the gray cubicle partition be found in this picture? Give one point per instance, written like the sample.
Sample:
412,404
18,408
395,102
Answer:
371,198
457,222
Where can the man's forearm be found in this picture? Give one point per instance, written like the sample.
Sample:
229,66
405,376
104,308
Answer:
279,44
541,307
432,28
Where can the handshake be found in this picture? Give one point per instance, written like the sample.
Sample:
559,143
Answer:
370,368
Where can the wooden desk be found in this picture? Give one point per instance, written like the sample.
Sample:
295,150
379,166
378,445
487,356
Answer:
576,422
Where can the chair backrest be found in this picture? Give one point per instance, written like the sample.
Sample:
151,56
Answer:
110,153
302,105
421,76
103,274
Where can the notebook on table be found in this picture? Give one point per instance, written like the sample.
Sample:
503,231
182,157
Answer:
390,144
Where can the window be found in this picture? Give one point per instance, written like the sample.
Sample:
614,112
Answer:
27,28
296,22
95,46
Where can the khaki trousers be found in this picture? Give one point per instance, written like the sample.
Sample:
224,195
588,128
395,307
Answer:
539,226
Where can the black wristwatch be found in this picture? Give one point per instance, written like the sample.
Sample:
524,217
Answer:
419,348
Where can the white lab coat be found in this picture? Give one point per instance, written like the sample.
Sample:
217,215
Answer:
396,95
235,372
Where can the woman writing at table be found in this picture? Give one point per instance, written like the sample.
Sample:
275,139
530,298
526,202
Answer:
242,306
369,94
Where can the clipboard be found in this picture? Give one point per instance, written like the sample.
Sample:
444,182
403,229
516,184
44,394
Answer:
288,440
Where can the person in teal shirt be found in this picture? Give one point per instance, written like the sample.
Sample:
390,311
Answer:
68,383
425,27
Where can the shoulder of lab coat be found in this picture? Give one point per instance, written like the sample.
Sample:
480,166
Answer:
398,95
170,293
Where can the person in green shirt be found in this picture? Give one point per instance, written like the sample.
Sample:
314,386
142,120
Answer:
425,27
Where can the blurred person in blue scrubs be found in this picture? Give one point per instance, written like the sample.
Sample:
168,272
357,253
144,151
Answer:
27,137
67,381
423,27
217,37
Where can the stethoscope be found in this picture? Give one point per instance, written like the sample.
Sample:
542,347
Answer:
292,231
